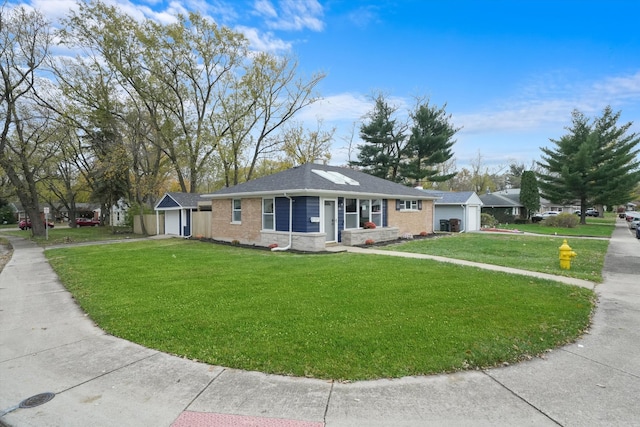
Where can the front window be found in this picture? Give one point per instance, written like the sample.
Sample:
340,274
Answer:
351,213
376,212
408,205
237,210
268,214
359,211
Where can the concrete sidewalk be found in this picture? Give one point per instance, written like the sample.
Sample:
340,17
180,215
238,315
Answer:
48,345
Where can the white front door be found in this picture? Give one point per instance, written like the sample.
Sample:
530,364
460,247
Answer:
330,223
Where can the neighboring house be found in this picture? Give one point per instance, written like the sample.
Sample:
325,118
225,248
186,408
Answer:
505,205
463,205
308,206
118,214
178,213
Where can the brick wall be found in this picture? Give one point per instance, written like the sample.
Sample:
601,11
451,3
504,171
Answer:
413,222
246,232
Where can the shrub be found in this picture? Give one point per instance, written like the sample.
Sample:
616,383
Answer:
521,221
487,220
563,220
235,242
369,224
369,242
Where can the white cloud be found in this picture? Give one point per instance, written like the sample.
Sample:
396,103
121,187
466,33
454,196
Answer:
291,15
265,8
546,109
343,107
263,42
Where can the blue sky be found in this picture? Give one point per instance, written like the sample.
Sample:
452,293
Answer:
510,72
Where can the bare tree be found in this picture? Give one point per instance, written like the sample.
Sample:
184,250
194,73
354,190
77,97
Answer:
25,127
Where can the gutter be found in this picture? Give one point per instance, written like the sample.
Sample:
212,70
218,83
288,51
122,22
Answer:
286,248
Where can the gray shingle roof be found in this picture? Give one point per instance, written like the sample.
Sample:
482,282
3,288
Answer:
450,197
303,180
184,200
500,200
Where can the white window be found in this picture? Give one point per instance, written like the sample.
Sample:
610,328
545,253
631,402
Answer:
351,213
359,211
376,212
268,214
408,205
236,207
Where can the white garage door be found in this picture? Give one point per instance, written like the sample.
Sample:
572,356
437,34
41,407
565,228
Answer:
172,222
473,220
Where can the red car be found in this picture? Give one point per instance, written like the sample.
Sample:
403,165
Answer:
26,224
86,222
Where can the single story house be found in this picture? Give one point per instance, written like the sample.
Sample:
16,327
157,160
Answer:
312,205
178,211
464,206
505,205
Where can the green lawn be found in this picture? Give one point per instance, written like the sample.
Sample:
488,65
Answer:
595,227
62,234
339,316
516,250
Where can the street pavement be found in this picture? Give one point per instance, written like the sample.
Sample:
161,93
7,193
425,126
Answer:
47,344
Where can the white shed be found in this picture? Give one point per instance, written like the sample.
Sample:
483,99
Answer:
178,212
463,205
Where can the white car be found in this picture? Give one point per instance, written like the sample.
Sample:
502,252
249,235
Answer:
634,223
549,213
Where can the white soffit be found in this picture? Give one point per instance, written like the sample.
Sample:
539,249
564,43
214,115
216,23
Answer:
335,177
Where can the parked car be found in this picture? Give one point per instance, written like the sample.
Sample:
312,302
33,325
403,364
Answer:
634,223
631,215
592,212
87,222
26,224
637,232
537,217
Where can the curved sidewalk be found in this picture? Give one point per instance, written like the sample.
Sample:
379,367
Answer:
48,345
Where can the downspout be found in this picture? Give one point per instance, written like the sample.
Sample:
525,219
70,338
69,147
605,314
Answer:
464,216
286,248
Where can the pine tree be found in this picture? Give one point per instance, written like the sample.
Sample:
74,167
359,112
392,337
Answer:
595,163
384,139
529,193
429,144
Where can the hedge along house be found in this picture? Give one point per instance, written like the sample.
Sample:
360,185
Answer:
178,213
309,206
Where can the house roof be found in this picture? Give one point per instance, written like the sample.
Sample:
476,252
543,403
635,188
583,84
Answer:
505,199
179,201
316,179
452,197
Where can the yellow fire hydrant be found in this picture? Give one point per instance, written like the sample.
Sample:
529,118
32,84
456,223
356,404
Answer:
566,254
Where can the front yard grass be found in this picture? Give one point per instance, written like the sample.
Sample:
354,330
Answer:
62,234
531,253
332,316
595,227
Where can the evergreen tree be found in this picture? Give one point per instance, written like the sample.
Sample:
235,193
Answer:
384,139
529,193
595,163
429,145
